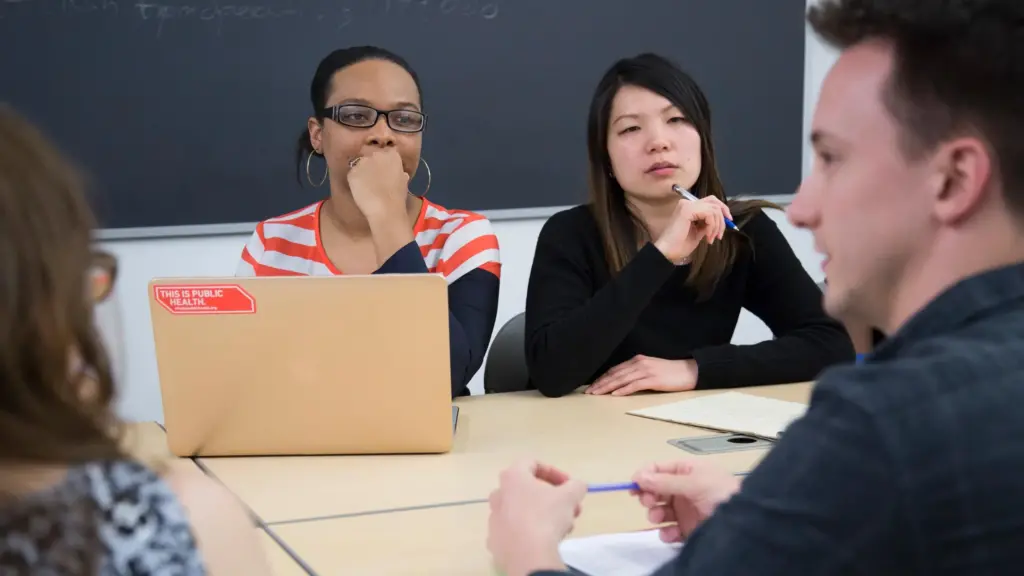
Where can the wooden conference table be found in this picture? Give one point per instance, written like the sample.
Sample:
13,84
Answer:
427,514
147,441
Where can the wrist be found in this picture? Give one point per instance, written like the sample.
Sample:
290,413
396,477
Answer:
376,203
687,374
379,218
670,254
380,214
546,561
389,236
664,249
731,489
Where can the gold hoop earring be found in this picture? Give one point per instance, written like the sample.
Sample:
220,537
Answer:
427,166
310,177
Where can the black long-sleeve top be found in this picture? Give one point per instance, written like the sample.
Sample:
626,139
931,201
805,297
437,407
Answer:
581,321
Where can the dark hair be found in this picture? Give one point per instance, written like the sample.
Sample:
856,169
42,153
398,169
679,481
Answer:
621,231
957,70
320,87
55,377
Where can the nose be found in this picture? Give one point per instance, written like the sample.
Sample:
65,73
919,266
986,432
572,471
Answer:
380,134
658,144
659,141
803,211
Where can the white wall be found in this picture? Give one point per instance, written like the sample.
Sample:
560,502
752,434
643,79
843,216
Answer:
125,320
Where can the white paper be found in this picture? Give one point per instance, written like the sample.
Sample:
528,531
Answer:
625,554
730,412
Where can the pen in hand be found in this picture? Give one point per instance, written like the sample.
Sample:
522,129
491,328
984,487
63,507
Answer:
612,487
686,194
591,488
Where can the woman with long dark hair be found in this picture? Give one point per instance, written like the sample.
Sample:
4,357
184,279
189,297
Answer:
641,289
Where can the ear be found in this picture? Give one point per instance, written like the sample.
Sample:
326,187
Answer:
962,173
315,134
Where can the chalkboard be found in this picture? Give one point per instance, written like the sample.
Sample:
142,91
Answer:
185,112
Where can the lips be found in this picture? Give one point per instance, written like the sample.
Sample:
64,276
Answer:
661,166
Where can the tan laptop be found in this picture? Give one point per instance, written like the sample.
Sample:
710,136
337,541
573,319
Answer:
304,365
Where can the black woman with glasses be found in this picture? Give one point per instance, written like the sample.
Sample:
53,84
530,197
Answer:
367,125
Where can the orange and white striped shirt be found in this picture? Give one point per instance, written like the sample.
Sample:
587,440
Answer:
452,243
459,245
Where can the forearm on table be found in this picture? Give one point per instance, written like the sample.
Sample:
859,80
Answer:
566,347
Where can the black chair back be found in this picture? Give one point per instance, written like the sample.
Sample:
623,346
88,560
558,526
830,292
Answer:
505,370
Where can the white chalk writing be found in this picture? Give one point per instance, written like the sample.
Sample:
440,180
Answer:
479,8
215,12
336,14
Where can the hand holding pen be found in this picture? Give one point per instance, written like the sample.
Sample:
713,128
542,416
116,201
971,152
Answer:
693,220
535,506
689,196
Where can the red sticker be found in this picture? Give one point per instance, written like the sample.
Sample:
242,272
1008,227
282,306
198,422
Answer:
226,299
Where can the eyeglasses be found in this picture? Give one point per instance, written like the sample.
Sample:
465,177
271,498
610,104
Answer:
102,275
358,116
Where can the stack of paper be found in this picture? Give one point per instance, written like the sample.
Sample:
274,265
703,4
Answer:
626,554
730,412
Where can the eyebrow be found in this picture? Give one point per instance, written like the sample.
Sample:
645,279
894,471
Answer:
396,106
635,116
820,137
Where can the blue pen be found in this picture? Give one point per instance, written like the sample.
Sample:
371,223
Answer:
626,485
686,194
612,487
